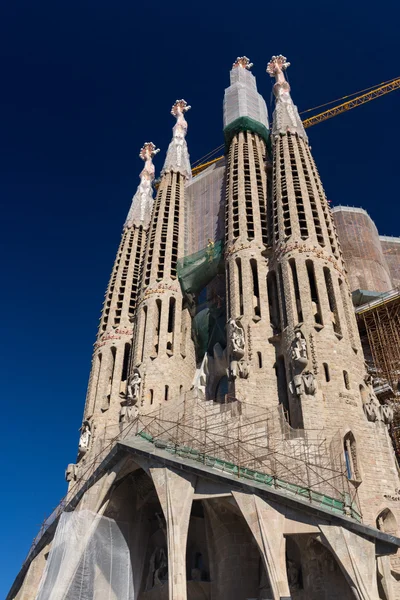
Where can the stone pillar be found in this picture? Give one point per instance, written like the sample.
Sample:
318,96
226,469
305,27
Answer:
175,493
356,557
267,525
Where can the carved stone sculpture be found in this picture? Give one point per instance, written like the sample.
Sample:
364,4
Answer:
386,413
293,574
297,386
134,386
128,412
371,410
70,473
299,349
84,440
309,383
158,569
236,334
237,348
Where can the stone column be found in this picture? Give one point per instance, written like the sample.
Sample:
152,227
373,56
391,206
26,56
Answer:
175,493
267,525
356,557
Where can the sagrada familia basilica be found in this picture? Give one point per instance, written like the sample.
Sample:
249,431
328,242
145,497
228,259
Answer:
232,444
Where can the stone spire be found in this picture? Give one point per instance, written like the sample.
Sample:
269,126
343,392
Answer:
286,116
177,159
142,201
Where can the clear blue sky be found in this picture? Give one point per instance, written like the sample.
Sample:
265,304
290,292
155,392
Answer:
83,86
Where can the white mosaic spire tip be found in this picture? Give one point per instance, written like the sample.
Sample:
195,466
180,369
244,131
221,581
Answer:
142,201
286,118
177,159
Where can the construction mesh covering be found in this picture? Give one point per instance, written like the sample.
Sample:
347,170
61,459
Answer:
391,250
89,558
205,208
197,270
362,250
243,100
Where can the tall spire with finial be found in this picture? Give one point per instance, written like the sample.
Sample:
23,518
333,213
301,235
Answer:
177,159
286,116
142,201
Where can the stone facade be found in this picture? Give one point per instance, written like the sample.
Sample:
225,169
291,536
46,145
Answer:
293,352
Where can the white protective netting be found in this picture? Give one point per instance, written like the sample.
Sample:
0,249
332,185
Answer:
243,100
89,560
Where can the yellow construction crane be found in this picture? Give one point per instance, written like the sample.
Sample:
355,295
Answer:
371,93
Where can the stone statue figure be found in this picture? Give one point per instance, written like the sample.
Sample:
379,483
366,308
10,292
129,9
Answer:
84,440
236,335
299,349
371,410
158,569
293,575
70,473
134,387
296,386
237,366
128,412
309,383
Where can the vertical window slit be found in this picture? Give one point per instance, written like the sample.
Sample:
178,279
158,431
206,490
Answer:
240,284
256,289
273,303
171,326
332,301
314,292
296,288
283,297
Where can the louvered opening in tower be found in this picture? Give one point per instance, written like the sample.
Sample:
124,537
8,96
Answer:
247,189
310,191
301,214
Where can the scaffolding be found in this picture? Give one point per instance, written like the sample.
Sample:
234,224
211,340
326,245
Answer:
379,324
243,440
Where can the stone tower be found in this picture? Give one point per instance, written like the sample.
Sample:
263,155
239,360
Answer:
164,361
109,373
320,366
246,130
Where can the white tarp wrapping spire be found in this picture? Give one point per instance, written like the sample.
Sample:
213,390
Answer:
177,159
142,201
241,98
286,116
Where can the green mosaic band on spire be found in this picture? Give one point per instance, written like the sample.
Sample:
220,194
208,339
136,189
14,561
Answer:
245,124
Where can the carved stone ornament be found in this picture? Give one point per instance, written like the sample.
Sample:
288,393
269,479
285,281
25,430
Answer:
70,472
386,412
372,410
310,386
299,350
84,440
133,389
128,413
296,386
243,369
242,61
158,569
236,337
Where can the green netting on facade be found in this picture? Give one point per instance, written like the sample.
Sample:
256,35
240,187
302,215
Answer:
209,329
197,270
245,124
